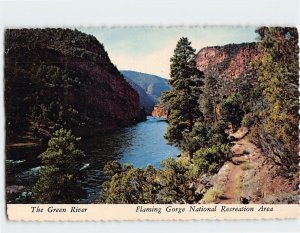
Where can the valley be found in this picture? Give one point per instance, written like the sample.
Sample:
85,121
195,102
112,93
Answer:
82,126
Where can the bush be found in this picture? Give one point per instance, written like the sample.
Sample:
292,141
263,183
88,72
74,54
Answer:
213,195
247,120
211,159
58,179
232,110
246,166
174,183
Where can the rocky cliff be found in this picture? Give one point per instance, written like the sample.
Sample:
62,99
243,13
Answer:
160,111
63,78
227,62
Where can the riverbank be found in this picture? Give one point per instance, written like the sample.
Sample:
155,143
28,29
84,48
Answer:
140,145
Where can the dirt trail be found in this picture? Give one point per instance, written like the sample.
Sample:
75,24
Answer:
242,151
231,184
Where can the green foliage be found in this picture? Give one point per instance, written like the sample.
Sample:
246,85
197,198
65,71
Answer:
212,195
46,71
231,110
249,119
278,70
58,179
174,183
211,159
210,98
183,99
246,166
205,135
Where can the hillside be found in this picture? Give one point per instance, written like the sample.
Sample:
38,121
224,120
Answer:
152,84
63,78
231,64
146,101
228,62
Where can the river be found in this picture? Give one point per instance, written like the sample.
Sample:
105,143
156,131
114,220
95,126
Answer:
139,145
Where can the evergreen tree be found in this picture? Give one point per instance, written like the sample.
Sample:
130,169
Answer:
209,98
278,71
231,110
183,98
58,180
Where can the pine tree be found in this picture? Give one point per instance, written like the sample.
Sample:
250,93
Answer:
209,99
58,180
278,71
183,98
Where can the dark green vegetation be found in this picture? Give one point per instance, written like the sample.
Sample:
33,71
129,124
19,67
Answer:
58,180
171,184
58,78
182,100
204,141
278,75
202,111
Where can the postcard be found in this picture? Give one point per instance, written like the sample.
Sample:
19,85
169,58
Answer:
151,123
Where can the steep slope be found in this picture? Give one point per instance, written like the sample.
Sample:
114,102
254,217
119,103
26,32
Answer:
146,101
231,64
228,62
152,84
63,78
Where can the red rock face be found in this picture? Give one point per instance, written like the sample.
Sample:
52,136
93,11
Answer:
160,111
208,56
228,62
101,100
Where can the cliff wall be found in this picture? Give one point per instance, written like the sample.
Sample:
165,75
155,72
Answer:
63,78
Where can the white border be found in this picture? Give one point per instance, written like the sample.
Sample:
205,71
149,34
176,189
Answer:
48,13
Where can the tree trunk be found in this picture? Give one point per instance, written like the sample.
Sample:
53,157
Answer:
191,155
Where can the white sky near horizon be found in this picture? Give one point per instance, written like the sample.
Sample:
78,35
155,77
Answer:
149,49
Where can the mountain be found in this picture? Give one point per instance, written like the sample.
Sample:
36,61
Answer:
63,78
152,84
231,64
146,101
229,61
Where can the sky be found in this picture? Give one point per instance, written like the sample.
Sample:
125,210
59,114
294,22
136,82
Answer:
149,49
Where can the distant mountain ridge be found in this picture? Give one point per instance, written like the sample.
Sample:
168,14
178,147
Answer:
146,101
152,86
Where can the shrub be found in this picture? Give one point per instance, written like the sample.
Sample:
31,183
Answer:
211,159
212,195
58,179
246,166
248,120
232,111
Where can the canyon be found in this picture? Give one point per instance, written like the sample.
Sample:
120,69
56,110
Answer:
63,78
227,62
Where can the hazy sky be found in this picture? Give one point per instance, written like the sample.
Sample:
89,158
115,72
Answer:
148,49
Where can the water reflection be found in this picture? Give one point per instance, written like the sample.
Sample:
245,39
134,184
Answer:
140,145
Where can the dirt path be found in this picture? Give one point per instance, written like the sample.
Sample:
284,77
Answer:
249,178
231,185
242,151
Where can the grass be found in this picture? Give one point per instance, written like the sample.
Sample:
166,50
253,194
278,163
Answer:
239,186
212,195
246,166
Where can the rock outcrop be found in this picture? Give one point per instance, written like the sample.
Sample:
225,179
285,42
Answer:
227,62
63,78
160,111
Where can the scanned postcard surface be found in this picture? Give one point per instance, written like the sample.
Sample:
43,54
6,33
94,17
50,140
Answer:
151,123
